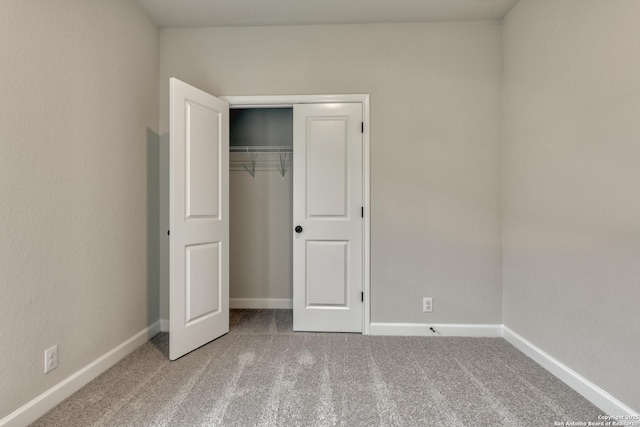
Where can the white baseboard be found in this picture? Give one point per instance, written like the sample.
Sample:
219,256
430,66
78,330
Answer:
281,303
590,391
39,406
441,329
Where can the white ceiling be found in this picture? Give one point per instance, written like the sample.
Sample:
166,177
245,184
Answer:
217,13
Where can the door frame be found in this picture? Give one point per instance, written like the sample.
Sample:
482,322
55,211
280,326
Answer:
275,101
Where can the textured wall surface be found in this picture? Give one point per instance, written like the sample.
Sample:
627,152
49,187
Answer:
571,193
78,111
435,143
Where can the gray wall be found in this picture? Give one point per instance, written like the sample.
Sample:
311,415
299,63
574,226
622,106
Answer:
261,253
78,179
571,192
435,144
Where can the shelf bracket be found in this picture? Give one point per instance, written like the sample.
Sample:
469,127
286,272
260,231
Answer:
251,165
284,162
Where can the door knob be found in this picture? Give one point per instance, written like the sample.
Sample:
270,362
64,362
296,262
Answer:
298,229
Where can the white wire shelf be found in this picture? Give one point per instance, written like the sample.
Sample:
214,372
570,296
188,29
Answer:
260,158
260,149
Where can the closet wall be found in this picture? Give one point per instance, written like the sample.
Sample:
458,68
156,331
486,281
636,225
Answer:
261,204
261,236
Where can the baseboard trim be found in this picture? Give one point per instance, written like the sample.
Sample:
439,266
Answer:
590,391
274,303
441,329
164,325
39,406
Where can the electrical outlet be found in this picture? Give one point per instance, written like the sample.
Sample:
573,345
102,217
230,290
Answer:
50,359
427,305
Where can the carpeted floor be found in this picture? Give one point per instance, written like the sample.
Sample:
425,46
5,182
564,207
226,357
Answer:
263,374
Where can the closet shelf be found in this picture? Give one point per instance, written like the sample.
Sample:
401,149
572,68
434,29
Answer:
260,149
251,163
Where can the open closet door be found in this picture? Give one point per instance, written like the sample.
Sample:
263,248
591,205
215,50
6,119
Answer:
199,218
327,215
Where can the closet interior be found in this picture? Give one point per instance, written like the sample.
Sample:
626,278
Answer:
261,205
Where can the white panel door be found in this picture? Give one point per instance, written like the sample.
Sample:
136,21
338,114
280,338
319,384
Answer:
199,218
327,215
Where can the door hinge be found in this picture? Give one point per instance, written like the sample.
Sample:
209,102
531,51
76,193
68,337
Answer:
362,212
362,127
362,296
168,232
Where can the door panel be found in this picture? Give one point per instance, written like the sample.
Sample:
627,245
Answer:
203,285
203,186
327,200
199,224
327,274
327,170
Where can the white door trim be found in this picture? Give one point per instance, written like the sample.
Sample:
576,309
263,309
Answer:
289,100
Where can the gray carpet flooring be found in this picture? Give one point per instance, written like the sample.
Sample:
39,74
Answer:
263,374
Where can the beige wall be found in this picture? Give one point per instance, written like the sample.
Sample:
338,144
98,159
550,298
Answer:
78,109
435,144
571,192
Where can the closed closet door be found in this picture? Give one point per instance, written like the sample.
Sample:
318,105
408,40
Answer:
199,218
327,216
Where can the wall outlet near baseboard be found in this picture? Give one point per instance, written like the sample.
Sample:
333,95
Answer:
427,305
50,359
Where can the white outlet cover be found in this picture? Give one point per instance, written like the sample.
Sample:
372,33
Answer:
427,305
50,359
